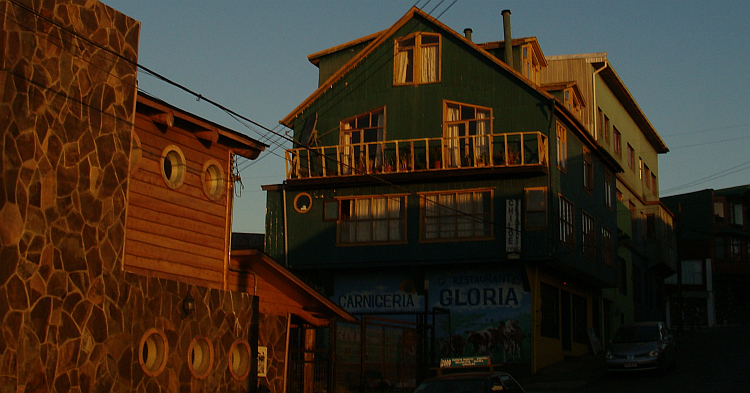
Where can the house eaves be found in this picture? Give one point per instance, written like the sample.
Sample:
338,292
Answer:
315,57
379,39
613,81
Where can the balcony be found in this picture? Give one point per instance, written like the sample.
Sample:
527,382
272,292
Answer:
523,149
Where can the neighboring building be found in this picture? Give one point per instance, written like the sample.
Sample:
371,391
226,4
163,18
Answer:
431,179
645,230
713,286
115,272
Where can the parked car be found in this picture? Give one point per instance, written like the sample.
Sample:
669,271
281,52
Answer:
479,382
641,346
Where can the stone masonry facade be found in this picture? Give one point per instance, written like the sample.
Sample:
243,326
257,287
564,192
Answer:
71,319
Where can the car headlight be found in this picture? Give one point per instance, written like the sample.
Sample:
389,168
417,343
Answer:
654,353
608,355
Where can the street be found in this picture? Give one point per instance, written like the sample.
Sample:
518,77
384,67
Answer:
708,360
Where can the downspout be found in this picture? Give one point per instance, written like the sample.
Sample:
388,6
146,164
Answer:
286,231
596,137
596,106
229,213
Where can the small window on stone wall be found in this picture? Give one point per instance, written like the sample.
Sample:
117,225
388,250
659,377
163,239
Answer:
200,357
152,353
213,180
173,166
239,360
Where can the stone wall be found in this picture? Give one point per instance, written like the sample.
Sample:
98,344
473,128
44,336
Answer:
71,319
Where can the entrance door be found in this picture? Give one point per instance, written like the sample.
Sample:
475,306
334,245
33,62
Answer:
565,321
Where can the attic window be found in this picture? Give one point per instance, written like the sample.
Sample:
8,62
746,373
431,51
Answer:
417,59
530,64
213,180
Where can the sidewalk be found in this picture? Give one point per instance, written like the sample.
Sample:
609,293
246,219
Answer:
569,375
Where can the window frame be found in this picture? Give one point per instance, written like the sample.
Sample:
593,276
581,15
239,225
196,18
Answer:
346,217
631,158
562,145
608,248
355,143
588,169
588,231
566,221
617,141
530,67
464,148
530,209
416,58
609,185
484,219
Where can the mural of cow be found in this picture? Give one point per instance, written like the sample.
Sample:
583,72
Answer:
483,342
512,339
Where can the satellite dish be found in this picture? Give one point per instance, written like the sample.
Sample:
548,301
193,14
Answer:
309,134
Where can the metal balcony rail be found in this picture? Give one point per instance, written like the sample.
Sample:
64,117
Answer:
418,155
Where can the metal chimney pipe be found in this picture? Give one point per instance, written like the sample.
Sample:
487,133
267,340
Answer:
467,33
508,38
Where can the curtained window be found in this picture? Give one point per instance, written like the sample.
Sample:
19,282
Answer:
417,59
467,134
457,215
372,220
359,137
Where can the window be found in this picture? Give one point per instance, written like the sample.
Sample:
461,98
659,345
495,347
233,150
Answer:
200,357
608,188
617,141
466,130
372,220
213,180
173,166
571,102
153,353
719,211
562,147
640,168
737,214
653,183
605,130
239,360
646,176
417,59
735,249
588,170
631,158
589,236
567,219
536,208
530,64
457,215
358,135
650,226
608,248
302,202
692,272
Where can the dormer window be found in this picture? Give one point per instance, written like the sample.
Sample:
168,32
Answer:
530,66
570,101
417,59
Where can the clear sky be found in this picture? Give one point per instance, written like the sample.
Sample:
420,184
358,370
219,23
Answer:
687,64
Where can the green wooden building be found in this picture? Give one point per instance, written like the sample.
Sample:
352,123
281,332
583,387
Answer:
432,173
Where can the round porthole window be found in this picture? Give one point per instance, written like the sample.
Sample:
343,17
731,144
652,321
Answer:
200,357
303,202
153,352
173,166
239,360
213,180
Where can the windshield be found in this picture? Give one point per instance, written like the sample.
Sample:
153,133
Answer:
636,334
454,386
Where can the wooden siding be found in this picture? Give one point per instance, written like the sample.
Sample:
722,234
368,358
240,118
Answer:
580,71
175,233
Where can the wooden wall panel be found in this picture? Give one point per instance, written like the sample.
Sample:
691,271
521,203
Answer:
175,233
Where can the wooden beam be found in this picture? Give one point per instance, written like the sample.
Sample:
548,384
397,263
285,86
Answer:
208,135
163,118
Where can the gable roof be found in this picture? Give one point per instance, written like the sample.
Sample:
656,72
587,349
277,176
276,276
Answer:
378,39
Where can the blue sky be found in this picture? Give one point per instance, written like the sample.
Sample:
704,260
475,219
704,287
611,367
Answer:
687,63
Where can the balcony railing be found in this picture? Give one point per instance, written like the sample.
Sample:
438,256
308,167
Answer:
416,155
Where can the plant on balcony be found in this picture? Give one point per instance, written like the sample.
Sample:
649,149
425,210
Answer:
388,166
404,161
436,157
483,160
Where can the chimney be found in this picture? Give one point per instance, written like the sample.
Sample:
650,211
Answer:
508,38
467,33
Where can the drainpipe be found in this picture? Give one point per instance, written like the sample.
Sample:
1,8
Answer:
596,106
286,231
508,39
